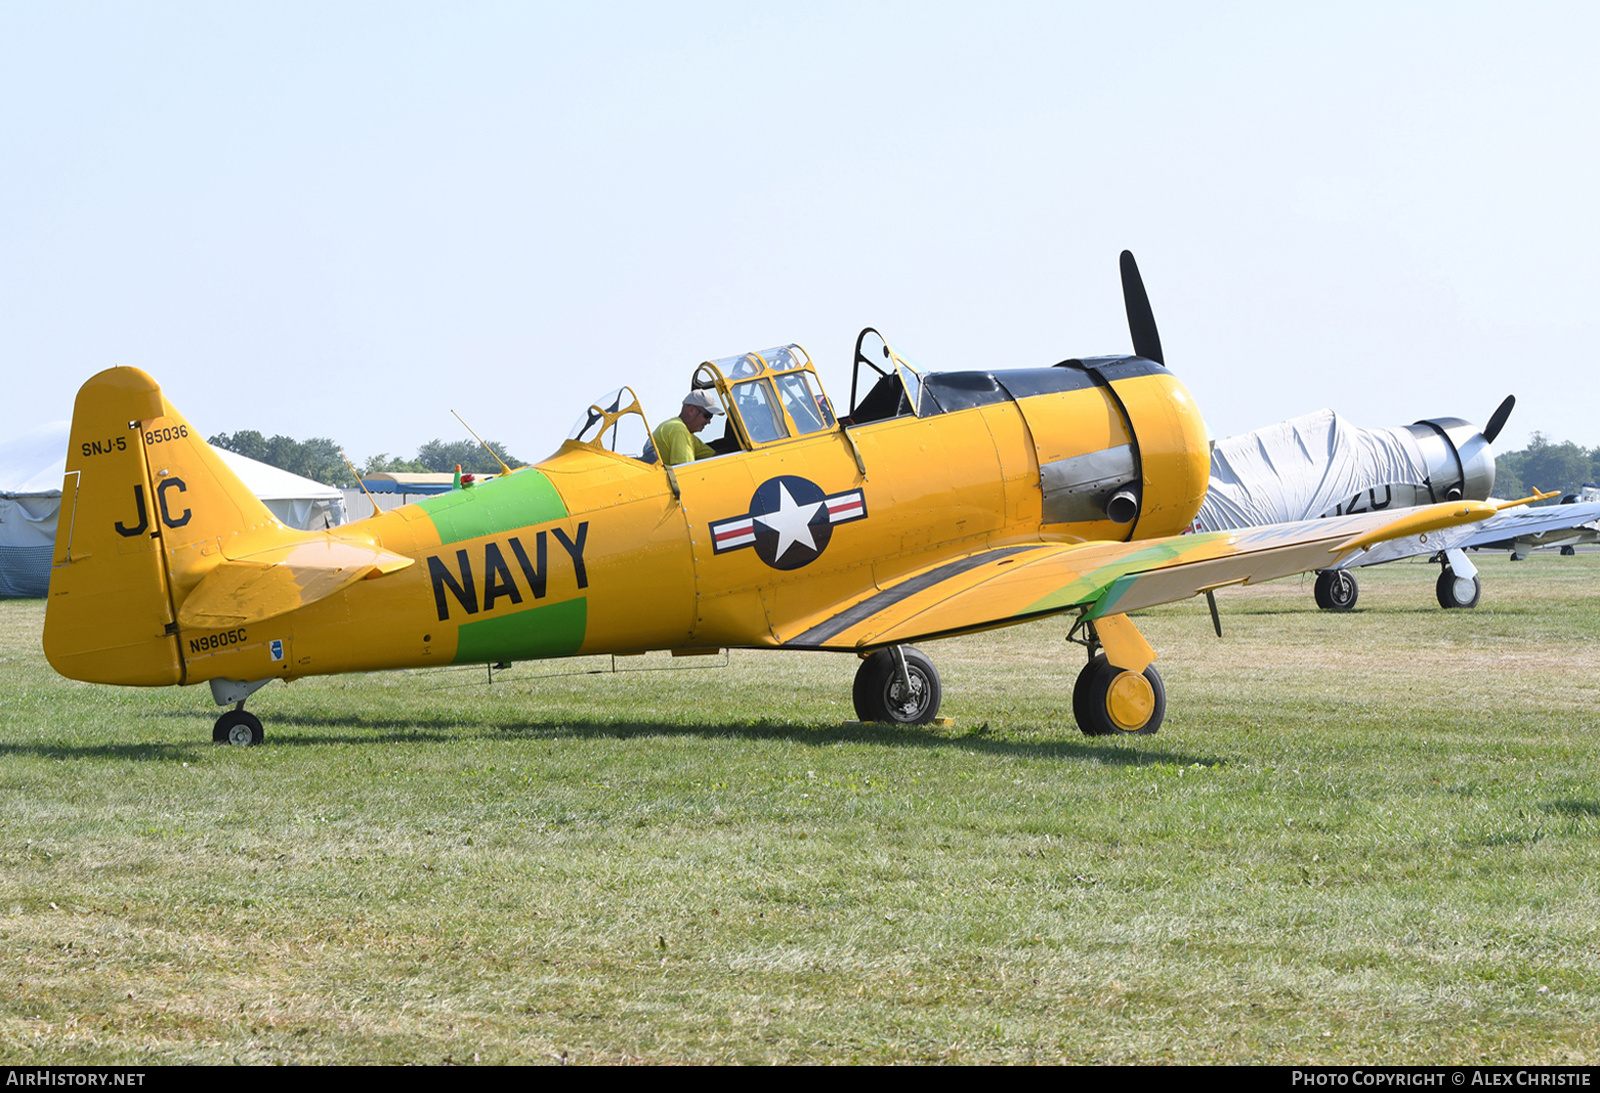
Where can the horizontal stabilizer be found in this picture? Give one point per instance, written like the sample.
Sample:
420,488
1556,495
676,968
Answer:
274,582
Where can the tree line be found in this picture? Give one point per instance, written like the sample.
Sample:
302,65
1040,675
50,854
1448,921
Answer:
1547,465
319,460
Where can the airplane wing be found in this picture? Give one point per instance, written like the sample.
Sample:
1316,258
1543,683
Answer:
1012,584
273,582
1502,527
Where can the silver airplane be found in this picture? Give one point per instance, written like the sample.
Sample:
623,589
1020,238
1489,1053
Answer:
1320,465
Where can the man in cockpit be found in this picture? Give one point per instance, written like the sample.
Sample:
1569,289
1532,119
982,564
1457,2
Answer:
675,440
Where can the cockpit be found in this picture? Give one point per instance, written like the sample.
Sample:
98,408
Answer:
770,396
898,389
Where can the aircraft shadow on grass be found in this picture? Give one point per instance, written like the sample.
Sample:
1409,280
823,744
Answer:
353,729
1570,807
1278,611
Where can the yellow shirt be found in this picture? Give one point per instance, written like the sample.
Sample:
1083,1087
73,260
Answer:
676,444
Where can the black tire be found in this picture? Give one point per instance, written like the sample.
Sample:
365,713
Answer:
1336,590
1139,713
1452,592
238,727
880,696
1569,551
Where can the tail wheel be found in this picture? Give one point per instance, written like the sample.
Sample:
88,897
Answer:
1454,591
881,695
1336,590
238,727
1111,701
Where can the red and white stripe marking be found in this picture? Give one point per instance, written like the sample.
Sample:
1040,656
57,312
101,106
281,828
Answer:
741,530
846,506
733,533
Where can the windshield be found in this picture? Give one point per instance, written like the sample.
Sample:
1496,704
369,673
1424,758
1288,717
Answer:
758,409
806,407
770,395
891,385
615,423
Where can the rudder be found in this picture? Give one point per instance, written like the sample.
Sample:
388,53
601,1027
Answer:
147,510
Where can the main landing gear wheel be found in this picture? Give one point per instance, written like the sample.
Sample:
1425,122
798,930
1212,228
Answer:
238,727
881,695
1454,591
1110,701
1336,590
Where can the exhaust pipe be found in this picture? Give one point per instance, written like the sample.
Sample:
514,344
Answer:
1123,506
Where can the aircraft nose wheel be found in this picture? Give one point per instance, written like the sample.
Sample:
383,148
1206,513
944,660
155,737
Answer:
1336,590
239,728
1454,591
881,694
1111,701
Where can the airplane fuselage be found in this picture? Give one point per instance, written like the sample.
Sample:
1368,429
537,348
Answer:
591,551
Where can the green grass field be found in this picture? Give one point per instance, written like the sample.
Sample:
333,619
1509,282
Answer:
1364,838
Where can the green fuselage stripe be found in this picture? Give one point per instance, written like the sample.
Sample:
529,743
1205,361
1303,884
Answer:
555,630
502,504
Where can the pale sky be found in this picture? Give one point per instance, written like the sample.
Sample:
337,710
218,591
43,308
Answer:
345,220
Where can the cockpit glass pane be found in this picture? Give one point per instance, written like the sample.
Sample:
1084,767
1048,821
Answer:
585,425
783,357
758,409
615,423
913,384
806,409
626,436
588,423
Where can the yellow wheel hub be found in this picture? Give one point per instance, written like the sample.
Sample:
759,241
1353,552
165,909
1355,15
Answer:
1130,700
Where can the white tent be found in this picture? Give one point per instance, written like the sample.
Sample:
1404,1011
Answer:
30,496
33,465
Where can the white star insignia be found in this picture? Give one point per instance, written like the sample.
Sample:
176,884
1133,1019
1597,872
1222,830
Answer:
792,522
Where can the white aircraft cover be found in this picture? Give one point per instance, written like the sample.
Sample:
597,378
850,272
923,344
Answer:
1302,468
31,469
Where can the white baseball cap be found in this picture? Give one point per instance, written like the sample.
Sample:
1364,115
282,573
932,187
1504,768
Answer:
702,400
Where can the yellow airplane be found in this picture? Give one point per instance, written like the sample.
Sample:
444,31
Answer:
942,504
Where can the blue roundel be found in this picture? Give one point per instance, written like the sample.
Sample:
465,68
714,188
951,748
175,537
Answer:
789,522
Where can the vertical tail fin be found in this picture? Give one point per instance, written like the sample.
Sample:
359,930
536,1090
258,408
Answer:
147,508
